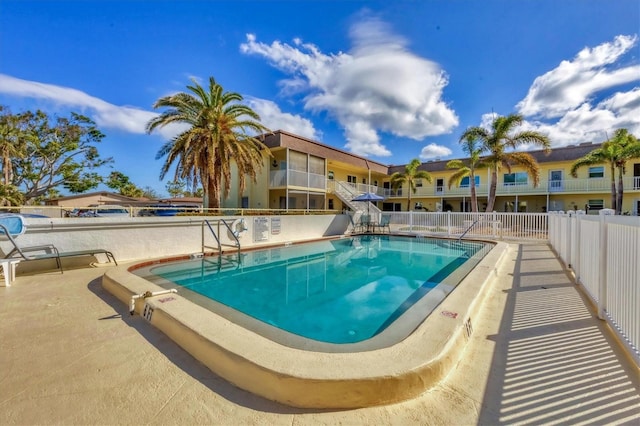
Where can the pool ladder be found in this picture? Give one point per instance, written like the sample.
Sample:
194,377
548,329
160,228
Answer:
215,236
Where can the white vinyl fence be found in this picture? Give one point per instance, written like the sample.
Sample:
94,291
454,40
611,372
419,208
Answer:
604,253
520,226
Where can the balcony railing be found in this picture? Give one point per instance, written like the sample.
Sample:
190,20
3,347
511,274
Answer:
630,183
283,178
278,178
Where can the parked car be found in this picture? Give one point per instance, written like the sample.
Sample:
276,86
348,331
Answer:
169,209
106,210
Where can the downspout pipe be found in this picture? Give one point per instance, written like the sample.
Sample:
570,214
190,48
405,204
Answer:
132,303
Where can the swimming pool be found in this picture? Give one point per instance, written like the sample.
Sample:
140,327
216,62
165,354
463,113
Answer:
303,372
339,292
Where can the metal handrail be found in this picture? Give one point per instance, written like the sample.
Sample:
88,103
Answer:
212,233
468,229
235,237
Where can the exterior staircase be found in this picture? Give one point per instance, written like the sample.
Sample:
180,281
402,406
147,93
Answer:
346,192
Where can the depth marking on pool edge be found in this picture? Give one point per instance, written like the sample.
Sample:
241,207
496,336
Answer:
449,314
147,313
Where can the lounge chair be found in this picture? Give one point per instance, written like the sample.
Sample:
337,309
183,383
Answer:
12,225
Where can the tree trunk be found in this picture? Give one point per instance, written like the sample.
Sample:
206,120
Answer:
620,192
492,190
613,188
474,197
213,193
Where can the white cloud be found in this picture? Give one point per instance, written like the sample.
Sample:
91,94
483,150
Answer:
575,82
272,117
128,119
595,123
124,118
134,120
380,86
574,103
432,151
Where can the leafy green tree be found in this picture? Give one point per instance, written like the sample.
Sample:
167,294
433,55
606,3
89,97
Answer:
10,196
409,177
467,167
220,131
11,143
498,140
58,152
150,193
615,153
121,183
176,188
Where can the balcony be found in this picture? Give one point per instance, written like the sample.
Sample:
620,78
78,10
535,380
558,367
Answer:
289,178
567,186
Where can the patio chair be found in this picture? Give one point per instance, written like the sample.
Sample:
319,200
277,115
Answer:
365,223
12,225
354,225
384,223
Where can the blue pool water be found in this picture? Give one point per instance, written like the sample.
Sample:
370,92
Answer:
339,291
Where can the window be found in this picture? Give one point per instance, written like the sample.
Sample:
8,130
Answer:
418,183
464,183
439,186
297,161
316,165
519,178
596,172
352,179
596,204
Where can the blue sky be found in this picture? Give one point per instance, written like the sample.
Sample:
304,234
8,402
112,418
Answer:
389,80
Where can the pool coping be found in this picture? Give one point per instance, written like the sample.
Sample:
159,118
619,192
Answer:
308,379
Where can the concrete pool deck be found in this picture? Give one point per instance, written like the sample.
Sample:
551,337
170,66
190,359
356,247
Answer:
71,354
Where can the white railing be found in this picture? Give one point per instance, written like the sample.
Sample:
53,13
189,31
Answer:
604,253
280,178
546,186
520,226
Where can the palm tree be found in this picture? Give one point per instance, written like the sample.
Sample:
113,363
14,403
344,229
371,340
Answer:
629,149
501,137
467,168
614,152
221,130
602,155
410,176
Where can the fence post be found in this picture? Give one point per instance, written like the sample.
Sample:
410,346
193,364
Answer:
410,221
449,223
570,219
602,281
494,219
576,245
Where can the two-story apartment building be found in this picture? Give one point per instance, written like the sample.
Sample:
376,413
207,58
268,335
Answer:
306,174
557,190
